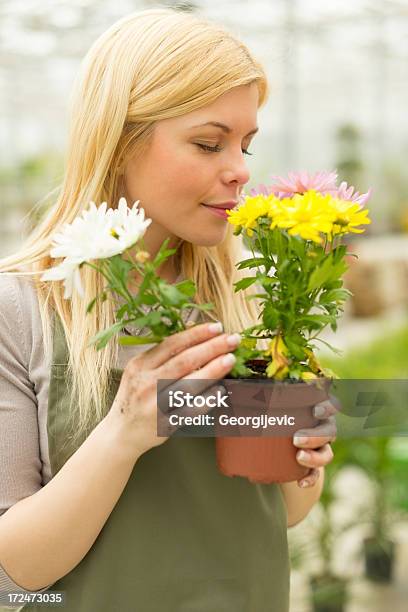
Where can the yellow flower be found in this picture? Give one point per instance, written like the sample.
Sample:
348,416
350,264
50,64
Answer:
348,216
308,376
312,362
306,215
248,213
278,367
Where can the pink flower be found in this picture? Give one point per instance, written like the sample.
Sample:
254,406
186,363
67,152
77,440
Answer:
347,193
300,182
260,190
323,182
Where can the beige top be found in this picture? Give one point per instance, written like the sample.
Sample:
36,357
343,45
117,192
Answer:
24,383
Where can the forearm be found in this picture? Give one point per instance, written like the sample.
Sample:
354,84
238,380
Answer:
299,501
61,521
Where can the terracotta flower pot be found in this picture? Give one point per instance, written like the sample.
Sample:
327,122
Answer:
271,457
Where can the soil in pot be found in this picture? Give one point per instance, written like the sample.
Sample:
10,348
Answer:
329,593
379,559
266,457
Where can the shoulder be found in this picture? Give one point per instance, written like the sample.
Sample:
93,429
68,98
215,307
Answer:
16,291
19,310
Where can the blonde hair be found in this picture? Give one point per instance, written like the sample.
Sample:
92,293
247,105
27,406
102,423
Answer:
150,65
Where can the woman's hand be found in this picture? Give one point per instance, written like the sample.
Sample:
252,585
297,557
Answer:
314,443
198,353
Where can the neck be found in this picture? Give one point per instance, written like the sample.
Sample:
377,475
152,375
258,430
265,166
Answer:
169,269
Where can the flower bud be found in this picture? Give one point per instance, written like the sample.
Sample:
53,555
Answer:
142,256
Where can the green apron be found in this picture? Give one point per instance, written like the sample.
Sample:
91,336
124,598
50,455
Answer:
182,537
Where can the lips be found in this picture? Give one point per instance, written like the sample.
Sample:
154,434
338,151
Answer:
217,211
220,207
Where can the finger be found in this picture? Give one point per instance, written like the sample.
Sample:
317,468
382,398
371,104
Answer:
327,408
198,380
176,343
315,458
316,436
310,479
197,357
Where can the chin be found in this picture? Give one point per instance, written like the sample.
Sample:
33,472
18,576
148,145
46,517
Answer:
209,241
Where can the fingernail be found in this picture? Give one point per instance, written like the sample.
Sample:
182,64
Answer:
228,359
304,483
234,339
298,440
303,455
215,328
319,410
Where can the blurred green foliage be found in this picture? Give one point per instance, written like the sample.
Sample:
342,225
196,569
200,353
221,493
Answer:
386,358
28,188
385,459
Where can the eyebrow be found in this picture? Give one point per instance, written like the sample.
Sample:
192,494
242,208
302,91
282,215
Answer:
224,127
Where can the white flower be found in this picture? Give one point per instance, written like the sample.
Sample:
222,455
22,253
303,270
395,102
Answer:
68,271
129,224
87,237
96,234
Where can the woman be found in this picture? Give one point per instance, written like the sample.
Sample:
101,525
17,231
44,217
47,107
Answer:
94,504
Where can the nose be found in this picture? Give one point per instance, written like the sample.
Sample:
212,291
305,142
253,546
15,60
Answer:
237,170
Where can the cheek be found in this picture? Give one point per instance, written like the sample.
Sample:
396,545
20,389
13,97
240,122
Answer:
184,172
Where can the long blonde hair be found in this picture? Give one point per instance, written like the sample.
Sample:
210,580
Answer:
150,65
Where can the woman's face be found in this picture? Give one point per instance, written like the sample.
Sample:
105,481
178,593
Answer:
178,174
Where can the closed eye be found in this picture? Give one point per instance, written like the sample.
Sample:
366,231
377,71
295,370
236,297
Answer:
217,149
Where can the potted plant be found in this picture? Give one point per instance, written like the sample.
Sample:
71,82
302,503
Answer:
373,457
378,547
329,591
294,229
298,236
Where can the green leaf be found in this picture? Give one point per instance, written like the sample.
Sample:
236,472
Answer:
330,346
148,300
339,269
119,269
163,253
171,296
317,318
130,340
153,318
249,343
266,280
321,274
120,313
102,338
327,273
337,284
334,295
270,317
244,283
251,263
187,287
296,350
256,295
91,304
298,246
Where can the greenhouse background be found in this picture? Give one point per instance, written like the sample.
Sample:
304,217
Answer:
339,95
